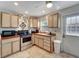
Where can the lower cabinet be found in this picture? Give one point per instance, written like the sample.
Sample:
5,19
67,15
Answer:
47,47
43,42
16,46
10,46
33,39
6,49
36,41
0,49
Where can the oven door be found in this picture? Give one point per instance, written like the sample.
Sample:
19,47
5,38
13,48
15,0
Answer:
26,39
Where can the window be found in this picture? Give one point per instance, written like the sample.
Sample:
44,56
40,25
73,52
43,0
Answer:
43,22
72,25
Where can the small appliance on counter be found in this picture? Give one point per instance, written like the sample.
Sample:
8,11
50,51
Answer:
7,33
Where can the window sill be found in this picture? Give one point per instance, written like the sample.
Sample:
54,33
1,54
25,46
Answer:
73,35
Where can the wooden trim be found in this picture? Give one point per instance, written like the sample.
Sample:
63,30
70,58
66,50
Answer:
20,43
1,19
11,47
1,48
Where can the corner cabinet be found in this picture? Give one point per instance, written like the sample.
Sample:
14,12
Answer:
43,42
7,20
52,20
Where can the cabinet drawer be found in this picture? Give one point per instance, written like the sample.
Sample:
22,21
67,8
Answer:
47,41
47,38
46,44
47,47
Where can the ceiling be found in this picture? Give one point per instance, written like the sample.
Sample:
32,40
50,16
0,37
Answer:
34,8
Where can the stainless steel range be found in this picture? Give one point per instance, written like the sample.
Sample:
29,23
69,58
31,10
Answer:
25,42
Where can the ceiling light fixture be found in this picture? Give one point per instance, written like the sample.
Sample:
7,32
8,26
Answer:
26,12
43,11
49,4
16,4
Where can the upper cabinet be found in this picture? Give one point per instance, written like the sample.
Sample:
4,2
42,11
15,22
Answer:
33,22
14,21
5,20
8,20
52,20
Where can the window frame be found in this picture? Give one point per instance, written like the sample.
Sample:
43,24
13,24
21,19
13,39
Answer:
65,24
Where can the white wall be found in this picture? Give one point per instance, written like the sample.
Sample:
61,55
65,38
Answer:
52,30
69,44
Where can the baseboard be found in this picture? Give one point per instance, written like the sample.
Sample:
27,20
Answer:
70,54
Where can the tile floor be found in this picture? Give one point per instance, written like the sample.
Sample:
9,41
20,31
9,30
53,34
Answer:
36,52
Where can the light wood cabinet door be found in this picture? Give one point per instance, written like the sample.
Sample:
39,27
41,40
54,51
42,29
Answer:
33,22
30,22
14,21
50,21
0,48
33,39
53,20
36,41
6,49
0,52
0,19
16,46
41,43
5,20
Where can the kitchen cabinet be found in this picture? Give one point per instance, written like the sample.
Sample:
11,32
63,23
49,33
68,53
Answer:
0,46
36,41
16,45
14,21
0,51
0,19
8,20
52,20
33,39
33,22
6,49
43,41
10,46
5,20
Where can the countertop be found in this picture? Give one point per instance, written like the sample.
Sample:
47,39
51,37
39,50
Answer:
45,34
3,38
